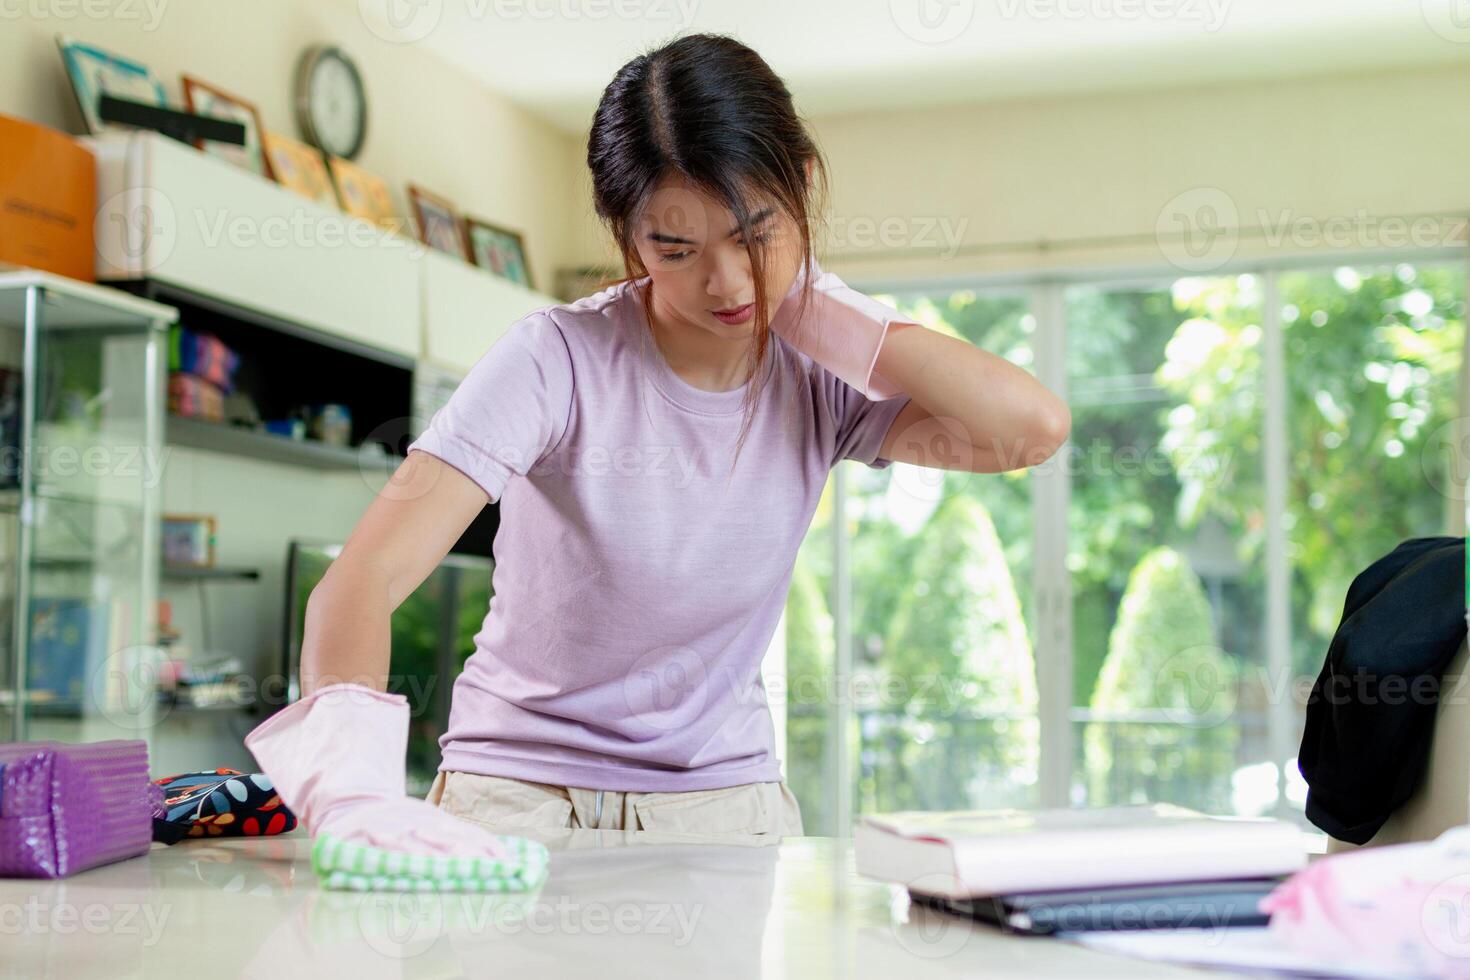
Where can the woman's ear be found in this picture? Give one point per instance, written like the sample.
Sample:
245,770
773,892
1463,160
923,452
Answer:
809,167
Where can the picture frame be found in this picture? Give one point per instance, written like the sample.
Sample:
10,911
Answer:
299,167
500,250
438,222
94,71
363,194
188,540
204,99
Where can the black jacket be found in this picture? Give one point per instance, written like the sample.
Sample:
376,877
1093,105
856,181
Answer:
1371,711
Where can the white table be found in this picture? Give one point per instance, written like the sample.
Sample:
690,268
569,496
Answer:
616,903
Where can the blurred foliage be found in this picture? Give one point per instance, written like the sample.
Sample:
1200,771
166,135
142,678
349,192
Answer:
1167,394
1162,655
1372,359
957,651
808,684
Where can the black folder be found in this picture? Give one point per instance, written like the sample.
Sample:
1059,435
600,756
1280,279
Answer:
1180,904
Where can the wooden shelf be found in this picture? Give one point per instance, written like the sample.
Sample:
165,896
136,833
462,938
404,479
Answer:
189,708
238,441
209,572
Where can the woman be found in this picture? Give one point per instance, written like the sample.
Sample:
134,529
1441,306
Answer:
658,450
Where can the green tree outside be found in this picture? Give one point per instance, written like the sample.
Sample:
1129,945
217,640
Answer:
957,654
1162,655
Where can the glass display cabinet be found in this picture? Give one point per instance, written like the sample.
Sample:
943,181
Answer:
82,371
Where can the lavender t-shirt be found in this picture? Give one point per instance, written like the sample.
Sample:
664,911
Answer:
635,589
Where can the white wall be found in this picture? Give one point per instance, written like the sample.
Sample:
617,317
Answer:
428,123
1005,175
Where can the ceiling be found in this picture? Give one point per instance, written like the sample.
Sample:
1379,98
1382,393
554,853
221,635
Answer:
554,57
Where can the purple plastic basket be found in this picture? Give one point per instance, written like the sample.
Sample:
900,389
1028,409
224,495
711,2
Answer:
65,808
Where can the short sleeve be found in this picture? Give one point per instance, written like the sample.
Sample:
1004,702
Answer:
510,410
858,423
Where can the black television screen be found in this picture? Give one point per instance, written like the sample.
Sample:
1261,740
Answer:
433,633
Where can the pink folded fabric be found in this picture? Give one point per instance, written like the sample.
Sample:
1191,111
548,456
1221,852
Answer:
337,759
841,329
1403,909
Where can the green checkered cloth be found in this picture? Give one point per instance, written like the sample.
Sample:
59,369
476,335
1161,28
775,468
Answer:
343,864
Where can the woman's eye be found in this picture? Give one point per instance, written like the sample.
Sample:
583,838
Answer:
673,256
761,237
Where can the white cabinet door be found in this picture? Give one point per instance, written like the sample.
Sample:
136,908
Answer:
170,212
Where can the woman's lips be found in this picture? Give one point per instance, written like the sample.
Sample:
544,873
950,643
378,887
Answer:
736,316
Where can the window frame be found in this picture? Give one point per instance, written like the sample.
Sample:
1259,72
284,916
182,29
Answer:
1051,493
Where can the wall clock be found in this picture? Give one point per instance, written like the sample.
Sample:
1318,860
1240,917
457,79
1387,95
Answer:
331,104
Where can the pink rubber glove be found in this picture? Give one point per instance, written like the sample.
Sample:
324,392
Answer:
337,759
1398,908
841,329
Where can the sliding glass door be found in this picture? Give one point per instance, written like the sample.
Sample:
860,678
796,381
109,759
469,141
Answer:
943,644
1137,619
936,704
1164,541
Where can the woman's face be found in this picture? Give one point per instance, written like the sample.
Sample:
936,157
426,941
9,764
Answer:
696,257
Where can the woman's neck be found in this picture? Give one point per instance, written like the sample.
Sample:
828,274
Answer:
700,357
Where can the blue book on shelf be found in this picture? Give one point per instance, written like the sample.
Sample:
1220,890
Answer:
68,642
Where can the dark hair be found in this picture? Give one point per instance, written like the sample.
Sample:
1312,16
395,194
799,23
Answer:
707,108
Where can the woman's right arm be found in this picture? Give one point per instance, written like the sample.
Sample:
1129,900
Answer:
402,536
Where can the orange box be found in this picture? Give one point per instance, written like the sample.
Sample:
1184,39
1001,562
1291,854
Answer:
48,200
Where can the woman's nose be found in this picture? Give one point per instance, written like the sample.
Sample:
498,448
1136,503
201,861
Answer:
729,277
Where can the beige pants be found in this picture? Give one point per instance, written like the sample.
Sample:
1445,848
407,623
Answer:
504,802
